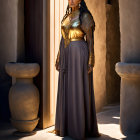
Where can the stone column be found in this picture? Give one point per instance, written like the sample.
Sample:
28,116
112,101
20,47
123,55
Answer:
11,45
129,67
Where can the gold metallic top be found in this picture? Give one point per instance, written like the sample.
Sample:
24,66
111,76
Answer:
72,29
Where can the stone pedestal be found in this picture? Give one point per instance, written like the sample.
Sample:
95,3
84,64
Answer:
23,96
130,95
129,68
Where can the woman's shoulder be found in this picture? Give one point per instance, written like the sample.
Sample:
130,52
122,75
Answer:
87,20
87,16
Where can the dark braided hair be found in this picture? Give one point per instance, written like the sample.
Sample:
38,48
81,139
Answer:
83,9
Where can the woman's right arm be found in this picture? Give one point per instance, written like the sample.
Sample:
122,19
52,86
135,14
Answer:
57,62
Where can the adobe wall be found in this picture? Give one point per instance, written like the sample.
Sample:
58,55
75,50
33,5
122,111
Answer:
112,51
107,51
98,10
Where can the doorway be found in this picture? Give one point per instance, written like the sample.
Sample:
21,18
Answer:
42,38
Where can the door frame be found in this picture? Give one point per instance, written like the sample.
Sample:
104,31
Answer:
37,49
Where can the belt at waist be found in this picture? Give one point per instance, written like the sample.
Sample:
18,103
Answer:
76,39
67,41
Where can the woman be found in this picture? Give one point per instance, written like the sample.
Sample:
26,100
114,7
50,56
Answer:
75,110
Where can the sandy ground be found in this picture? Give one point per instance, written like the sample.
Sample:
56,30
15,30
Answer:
108,123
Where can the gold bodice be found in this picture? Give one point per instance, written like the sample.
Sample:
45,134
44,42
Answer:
71,28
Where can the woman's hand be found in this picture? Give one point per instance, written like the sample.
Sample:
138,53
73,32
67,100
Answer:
90,68
57,66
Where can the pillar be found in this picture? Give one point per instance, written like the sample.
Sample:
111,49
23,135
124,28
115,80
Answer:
11,46
129,67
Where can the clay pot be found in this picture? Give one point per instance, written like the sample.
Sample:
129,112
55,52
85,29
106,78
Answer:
23,96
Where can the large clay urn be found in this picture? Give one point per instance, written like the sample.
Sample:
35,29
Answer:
23,96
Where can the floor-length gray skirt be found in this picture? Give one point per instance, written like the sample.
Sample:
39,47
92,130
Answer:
75,108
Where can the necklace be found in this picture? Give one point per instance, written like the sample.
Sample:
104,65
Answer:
73,14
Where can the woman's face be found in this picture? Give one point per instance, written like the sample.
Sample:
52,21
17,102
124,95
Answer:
73,3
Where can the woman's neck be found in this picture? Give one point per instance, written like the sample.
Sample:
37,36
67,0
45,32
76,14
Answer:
75,8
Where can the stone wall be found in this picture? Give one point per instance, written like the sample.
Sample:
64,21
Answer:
11,45
130,30
112,51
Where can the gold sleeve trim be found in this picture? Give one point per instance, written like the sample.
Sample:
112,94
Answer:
91,60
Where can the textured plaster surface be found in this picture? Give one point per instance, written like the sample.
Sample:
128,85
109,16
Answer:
107,51
112,51
130,30
98,10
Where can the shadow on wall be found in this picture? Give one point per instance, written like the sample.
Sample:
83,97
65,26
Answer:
20,32
4,105
12,46
112,52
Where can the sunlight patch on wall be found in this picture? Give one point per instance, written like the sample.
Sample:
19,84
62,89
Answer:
58,8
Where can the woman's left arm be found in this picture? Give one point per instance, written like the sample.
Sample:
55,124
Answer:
88,27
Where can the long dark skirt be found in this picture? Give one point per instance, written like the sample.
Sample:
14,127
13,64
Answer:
75,109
